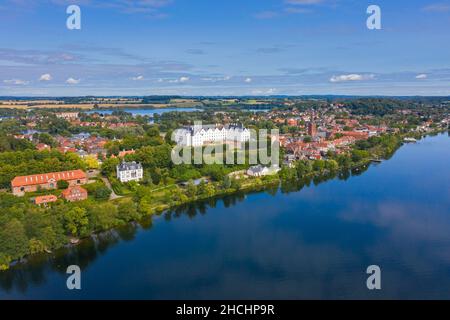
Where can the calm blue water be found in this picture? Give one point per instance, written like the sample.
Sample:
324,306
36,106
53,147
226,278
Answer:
146,112
314,243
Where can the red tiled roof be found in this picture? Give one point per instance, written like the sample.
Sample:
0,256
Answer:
125,152
45,199
356,134
45,177
66,193
42,146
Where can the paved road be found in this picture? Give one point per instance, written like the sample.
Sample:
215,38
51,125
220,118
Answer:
108,184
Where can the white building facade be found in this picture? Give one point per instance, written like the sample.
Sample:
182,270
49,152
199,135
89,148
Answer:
129,171
195,136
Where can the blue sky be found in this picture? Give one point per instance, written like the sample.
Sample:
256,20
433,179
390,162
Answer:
224,47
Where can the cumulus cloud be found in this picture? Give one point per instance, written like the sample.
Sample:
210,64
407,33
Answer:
45,77
351,77
421,76
15,82
179,80
73,81
138,78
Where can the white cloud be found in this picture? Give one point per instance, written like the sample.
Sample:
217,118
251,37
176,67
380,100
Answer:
73,81
351,77
45,77
16,82
303,2
138,78
179,80
264,92
421,76
437,7
212,79
248,80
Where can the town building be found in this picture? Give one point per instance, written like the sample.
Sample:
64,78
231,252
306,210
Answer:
43,146
259,171
74,193
22,184
312,129
204,134
124,153
67,115
44,200
129,171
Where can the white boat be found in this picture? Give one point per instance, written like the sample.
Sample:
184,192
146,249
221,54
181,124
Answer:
410,140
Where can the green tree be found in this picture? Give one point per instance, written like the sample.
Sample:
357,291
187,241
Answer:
62,184
191,189
13,240
36,246
318,165
236,184
76,221
331,165
226,182
103,216
109,165
358,155
102,193
127,210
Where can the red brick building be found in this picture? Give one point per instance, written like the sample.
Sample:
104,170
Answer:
21,185
312,129
75,193
356,134
43,146
45,199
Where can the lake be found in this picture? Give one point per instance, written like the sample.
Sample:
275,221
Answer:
315,243
145,112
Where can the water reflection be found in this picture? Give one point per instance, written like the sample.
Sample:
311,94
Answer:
33,270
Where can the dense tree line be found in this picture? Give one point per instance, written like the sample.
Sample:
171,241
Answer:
26,228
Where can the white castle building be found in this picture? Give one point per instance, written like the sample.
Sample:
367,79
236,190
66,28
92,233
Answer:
199,135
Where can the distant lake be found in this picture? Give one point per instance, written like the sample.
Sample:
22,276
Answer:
297,242
144,112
